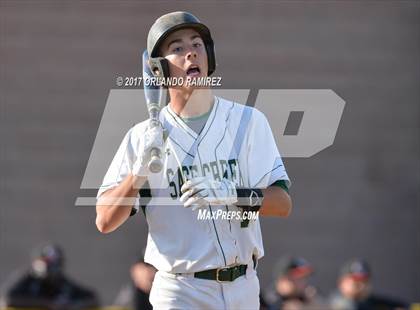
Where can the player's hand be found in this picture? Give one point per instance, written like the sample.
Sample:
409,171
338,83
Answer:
153,138
201,192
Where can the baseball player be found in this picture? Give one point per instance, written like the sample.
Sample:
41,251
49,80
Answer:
219,157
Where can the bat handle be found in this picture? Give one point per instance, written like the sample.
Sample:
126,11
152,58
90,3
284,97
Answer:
155,163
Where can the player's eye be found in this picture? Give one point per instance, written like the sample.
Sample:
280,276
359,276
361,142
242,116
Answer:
197,44
177,49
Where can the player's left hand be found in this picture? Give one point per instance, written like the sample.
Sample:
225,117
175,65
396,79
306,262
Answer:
201,192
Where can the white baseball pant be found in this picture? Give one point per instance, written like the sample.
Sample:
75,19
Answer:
170,292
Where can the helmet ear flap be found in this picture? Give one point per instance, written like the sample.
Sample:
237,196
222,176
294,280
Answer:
211,58
159,67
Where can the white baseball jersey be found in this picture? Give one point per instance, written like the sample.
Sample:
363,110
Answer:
236,143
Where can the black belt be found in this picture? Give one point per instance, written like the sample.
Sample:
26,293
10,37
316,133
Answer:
227,274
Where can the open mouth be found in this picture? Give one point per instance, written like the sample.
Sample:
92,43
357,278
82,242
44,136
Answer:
194,70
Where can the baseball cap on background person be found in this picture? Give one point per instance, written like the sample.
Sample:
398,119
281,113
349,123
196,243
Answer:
358,269
293,267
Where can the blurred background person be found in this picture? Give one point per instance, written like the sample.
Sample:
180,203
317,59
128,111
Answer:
355,290
136,295
291,288
45,286
142,275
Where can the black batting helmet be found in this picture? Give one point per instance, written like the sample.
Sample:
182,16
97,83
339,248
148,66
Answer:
167,24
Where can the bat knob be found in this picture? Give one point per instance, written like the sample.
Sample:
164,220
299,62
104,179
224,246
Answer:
155,163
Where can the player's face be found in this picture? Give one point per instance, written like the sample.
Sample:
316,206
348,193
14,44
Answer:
186,53
292,286
285,287
354,289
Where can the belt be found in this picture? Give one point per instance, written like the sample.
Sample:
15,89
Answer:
227,274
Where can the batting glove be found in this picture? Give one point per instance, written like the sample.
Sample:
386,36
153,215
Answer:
153,138
201,192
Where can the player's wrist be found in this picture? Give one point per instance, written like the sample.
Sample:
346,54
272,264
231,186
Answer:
140,168
138,178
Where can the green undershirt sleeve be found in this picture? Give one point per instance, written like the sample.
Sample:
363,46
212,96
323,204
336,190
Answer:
282,184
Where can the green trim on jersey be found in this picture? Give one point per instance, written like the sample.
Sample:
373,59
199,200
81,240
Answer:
282,184
196,118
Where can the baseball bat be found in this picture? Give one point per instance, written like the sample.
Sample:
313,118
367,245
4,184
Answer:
154,98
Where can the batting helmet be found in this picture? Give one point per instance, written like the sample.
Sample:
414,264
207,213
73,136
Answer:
167,24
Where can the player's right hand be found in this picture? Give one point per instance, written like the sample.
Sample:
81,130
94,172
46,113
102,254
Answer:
153,138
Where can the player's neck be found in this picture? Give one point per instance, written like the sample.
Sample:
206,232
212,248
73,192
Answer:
191,104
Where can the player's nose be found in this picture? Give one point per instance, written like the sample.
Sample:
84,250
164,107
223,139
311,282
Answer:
191,54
